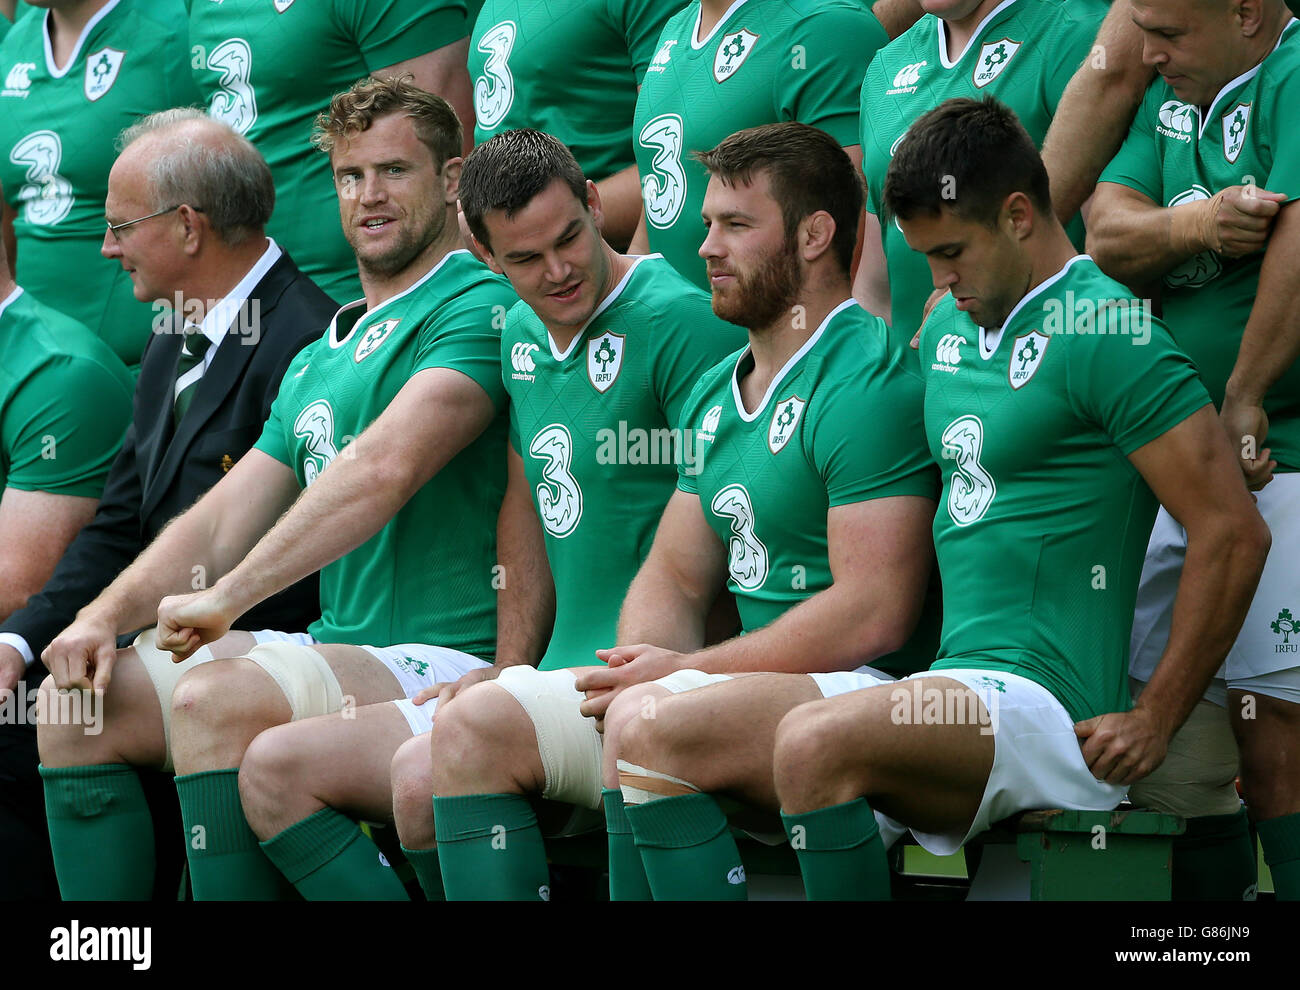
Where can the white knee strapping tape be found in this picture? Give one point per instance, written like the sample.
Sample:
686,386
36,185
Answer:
630,773
1198,775
303,675
688,679
164,674
568,743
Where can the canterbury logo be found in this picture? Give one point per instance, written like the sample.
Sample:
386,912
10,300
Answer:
949,349
1178,116
909,75
17,78
521,357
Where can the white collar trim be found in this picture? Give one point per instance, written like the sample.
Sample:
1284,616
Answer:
699,15
979,29
53,70
794,359
1241,80
5,302
335,343
563,355
990,339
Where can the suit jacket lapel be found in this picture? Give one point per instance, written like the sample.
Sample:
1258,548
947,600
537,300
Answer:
228,364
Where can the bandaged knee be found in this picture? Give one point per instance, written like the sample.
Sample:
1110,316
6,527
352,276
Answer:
303,675
641,786
165,674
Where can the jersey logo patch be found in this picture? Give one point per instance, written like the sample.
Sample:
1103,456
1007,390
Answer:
282,5
1200,268
494,91
1177,119
709,428
559,499
731,54
101,72
907,78
662,57
970,488
784,420
16,81
747,559
947,355
1026,356
1235,124
605,359
521,359
375,335
663,189
315,427
994,57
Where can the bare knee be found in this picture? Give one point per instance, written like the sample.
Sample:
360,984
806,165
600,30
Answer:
483,743
810,761
412,779
73,728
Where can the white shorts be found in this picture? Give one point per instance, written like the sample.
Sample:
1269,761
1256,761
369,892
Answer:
1258,649
1037,761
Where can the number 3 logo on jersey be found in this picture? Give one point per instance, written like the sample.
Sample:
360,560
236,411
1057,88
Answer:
494,92
747,560
46,197
559,499
971,488
664,189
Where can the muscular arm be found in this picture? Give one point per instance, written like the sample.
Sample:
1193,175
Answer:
35,528
871,286
1095,111
443,71
526,601
437,413
1270,344
1135,241
620,201
1193,472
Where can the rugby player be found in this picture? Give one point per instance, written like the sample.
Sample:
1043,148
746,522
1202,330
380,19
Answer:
597,359
1199,204
267,69
789,509
1022,51
722,66
384,446
1055,442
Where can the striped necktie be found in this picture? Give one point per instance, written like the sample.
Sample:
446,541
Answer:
189,370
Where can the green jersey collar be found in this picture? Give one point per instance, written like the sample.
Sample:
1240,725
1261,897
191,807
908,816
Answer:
699,13
1240,81
975,35
335,343
561,356
990,339
786,369
7,300
54,71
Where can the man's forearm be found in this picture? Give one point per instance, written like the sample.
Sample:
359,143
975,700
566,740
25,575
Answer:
1095,111
526,599
1137,243
1271,342
658,610
832,630
1218,581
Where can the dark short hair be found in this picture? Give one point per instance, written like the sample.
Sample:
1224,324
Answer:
807,170
966,156
508,170
356,109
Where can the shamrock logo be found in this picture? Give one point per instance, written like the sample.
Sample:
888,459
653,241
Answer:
996,57
605,353
1284,624
1027,353
734,48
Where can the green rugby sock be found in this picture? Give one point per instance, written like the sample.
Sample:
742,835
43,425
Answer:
490,848
425,864
101,832
327,857
687,849
1280,838
226,861
627,879
1214,860
840,852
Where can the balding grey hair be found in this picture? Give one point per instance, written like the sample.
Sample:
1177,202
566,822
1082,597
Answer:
223,174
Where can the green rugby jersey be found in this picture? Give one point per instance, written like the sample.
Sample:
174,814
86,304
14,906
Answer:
426,577
569,69
766,61
65,401
595,427
1176,154
840,424
268,67
1023,52
1043,522
57,134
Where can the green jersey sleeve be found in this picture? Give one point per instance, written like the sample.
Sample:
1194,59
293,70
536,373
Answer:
687,468
828,53
1137,163
896,461
465,335
391,31
273,442
63,427
640,22
1284,176
680,359
1072,43
1134,392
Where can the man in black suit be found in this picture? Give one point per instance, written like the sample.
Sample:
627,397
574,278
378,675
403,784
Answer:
236,311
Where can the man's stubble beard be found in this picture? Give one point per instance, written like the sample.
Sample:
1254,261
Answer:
761,298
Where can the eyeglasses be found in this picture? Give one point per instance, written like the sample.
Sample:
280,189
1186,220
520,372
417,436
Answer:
113,228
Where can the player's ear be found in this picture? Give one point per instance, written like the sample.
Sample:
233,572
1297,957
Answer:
593,204
815,235
1249,16
451,176
195,226
1018,213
